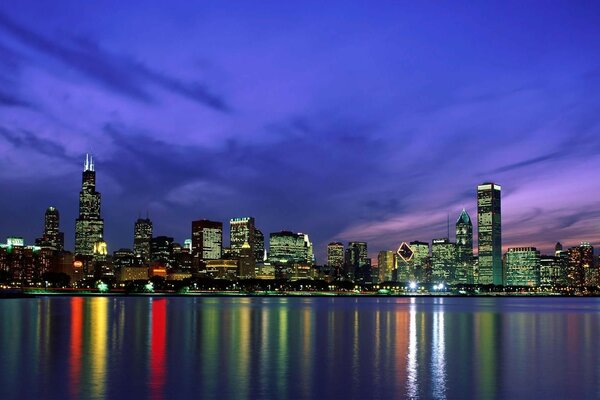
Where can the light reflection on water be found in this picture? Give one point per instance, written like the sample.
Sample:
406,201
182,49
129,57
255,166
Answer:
245,348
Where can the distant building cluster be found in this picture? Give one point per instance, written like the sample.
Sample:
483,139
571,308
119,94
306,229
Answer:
289,256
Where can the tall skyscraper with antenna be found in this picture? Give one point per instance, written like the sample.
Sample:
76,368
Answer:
89,226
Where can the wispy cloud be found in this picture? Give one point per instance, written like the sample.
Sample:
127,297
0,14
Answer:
118,73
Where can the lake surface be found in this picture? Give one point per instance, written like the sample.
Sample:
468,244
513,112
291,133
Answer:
245,348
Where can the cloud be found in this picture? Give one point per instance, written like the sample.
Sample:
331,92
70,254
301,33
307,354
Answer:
10,100
24,139
117,73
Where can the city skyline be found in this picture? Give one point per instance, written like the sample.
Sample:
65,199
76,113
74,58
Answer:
464,233
348,134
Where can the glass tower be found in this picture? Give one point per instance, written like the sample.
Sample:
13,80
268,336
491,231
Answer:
142,236
464,248
89,227
489,232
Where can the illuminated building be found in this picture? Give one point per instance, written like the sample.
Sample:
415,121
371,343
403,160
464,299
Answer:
142,236
241,230
287,248
207,240
247,262
25,264
161,250
386,263
580,259
356,261
259,245
158,270
133,273
223,269
522,266
89,227
335,258
553,270
464,248
413,262
265,270
52,236
443,261
489,232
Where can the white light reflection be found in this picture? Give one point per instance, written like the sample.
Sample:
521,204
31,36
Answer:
412,384
438,354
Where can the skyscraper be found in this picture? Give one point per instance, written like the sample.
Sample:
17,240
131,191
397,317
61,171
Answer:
142,236
489,232
52,236
259,245
241,230
464,248
335,258
207,240
443,261
356,259
247,262
522,266
386,263
580,260
89,227
288,247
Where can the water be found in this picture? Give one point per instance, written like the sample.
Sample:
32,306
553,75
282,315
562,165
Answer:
239,348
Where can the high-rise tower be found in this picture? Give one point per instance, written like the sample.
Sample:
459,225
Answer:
464,248
52,236
142,236
207,240
89,227
241,230
489,232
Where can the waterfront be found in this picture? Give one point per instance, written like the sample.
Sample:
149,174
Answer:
275,347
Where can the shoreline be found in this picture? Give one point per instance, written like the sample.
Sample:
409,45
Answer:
17,294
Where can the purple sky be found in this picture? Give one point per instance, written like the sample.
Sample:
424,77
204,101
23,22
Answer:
364,121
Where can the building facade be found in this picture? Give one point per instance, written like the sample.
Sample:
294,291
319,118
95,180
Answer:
241,230
89,226
386,264
443,261
142,237
207,240
522,266
489,232
464,249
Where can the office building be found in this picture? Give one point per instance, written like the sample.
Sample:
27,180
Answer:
287,247
386,264
89,226
335,259
142,236
489,231
52,236
522,266
443,261
580,260
241,230
464,249
207,240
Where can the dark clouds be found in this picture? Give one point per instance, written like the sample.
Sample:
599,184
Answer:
372,127
120,74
